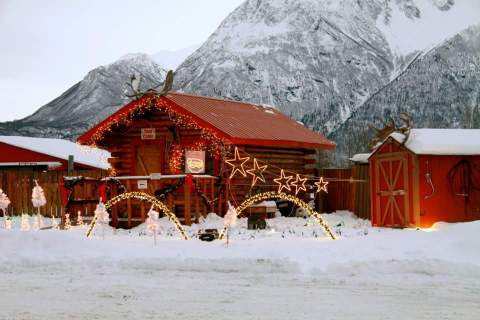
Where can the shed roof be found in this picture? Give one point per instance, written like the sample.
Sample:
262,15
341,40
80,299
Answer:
61,149
240,123
360,158
441,141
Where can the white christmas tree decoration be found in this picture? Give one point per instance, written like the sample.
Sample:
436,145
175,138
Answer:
230,219
38,201
79,218
54,223
4,203
102,217
68,222
25,225
152,223
38,196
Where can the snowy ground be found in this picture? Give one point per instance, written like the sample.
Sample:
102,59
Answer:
290,271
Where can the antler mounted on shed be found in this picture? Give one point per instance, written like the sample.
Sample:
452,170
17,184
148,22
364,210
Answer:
389,126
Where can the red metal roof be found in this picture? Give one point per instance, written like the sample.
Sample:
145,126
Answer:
240,123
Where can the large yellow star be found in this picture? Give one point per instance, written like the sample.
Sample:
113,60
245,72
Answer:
237,164
299,184
283,181
321,185
257,172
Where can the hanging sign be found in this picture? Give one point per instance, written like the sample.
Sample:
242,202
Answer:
194,161
148,134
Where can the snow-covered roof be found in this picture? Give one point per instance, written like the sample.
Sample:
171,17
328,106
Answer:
61,149
360,157
442,141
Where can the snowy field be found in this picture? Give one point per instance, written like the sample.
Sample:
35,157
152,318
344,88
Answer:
289,271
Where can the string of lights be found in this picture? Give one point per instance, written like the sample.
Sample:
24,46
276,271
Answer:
286,197
308,177
210,139
283,181
142,197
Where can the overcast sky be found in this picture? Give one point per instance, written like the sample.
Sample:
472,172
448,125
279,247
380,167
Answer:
47,46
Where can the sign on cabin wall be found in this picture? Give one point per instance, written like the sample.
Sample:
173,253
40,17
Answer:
142,184
148,134
194,161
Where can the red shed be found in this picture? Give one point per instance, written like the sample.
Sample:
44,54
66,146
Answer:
49,154
433,176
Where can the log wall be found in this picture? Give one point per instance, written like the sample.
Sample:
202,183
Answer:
122,142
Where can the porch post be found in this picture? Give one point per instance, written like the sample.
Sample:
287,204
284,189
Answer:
187,203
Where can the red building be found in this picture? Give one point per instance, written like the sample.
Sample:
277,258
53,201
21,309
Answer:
48,154
434,176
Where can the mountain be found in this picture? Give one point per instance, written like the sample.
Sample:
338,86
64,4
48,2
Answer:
322,57
89,101
328,63
171,59
441,89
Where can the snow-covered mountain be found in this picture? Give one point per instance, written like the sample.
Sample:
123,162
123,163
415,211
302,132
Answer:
98,95
326,57
325,62
441,90
171,59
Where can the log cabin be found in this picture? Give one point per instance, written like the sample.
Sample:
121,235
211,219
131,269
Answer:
191,152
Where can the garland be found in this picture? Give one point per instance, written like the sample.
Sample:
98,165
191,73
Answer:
149,102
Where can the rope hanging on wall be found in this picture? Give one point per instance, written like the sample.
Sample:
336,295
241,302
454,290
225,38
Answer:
428,177
461,178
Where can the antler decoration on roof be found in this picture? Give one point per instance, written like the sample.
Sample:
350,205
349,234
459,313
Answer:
135,81
389,126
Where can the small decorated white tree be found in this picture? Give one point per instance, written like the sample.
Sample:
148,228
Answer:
79,218
68,222
25,224
230,219
54,222
102,217
152,223
4,203
38,201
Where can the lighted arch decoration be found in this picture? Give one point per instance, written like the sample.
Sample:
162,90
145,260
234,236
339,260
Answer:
286,197
143,197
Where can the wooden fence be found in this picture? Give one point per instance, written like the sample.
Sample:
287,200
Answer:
348,189
18,185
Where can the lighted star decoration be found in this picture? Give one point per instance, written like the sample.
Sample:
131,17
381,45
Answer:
283,181
299,184
321,185
257,172
238,164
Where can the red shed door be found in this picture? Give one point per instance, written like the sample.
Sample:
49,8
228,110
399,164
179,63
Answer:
149,159
391,192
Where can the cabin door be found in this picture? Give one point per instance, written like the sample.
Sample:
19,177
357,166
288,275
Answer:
392,207
149,159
